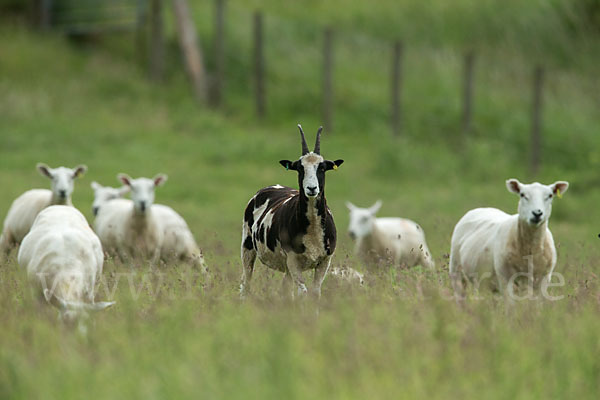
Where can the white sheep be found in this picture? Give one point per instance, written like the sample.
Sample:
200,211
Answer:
26,207
178,241
396,240
63,259
487,242
130,228
104,194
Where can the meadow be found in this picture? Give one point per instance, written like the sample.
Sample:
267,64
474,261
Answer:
174,334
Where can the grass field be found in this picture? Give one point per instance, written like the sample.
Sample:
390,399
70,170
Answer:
173,335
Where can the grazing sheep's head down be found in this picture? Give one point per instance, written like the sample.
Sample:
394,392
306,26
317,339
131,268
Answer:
72,312
311,167
535,203
62,180
102,194
142,190
361,219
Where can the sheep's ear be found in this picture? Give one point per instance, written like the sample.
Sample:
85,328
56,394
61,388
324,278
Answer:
44,170
333,164
350,206
513,186
559,186
125,179
287,164
160,179
375,207
79,170
95,185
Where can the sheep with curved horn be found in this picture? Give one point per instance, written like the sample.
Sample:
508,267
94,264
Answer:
292,230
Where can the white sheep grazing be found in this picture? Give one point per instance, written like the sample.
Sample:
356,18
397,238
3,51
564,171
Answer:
397,240
63,259
487,242
26,207
104,194
130,228
178,241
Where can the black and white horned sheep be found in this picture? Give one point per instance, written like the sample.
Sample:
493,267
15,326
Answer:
292,230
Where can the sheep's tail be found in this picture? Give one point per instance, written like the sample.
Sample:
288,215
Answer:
66,305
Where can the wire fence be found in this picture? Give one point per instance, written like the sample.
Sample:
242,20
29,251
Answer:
348,77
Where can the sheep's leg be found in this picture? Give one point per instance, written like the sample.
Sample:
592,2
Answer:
248,259
504,287
543,285
122,255
456,277
6,244
320,273
155,260
457,282
286,284
293,267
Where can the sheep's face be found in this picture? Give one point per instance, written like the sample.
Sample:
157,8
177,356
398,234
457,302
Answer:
142,190
535,203
103,194
311,170
62,180
362,219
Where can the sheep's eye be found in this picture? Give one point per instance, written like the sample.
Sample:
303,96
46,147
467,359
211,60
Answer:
523,195
550,196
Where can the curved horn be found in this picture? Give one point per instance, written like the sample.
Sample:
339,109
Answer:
318,142
304,145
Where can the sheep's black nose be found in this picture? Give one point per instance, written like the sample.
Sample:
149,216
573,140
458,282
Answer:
537,213
95,210
62,193
143,205
353,235
312,189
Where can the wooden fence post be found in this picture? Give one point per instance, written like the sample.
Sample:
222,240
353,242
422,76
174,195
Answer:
141,42
219,53
396,110
328,79
157,50
191,49
259,64
469,69
536,122
45,13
